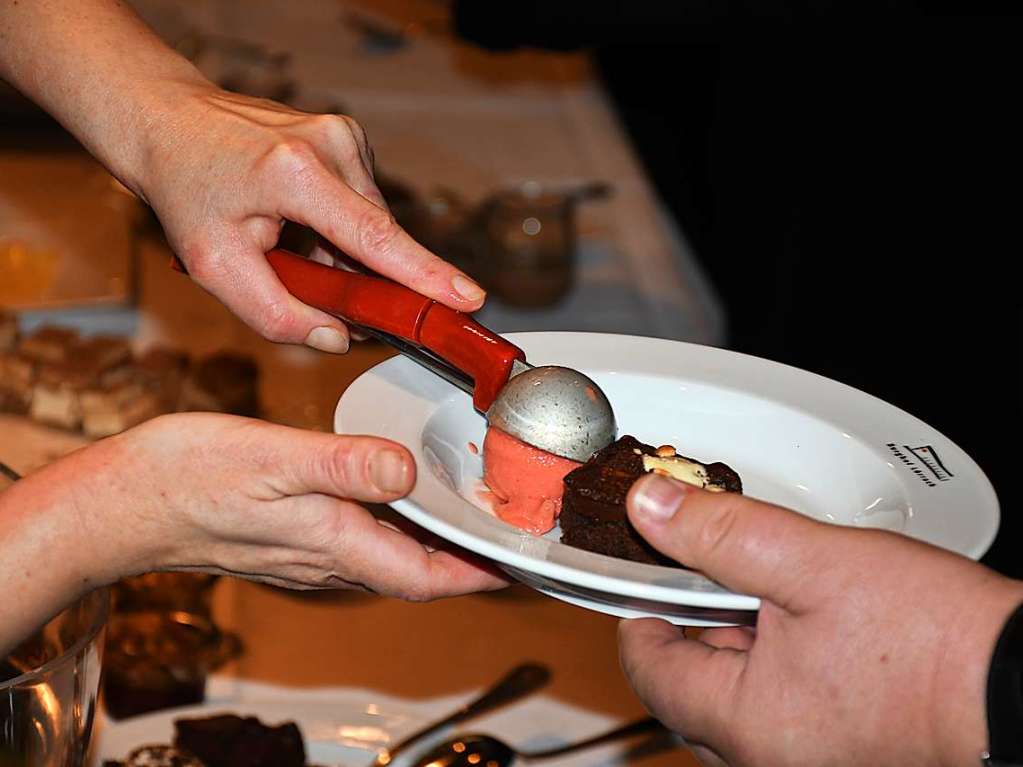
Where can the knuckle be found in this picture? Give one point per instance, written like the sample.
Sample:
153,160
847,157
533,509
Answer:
355,128
341,135
433,267
348,152
716,533
338,463
201,260
334,128
292,157
353,124
377,230
627,658
347,467
276,322
418,592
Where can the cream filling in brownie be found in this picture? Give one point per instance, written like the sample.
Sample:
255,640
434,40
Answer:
670,463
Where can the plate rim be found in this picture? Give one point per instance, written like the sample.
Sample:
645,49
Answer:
718,597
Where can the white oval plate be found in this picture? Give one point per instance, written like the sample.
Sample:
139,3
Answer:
795,438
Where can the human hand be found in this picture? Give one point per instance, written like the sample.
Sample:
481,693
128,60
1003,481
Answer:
870,648
223,494
224,171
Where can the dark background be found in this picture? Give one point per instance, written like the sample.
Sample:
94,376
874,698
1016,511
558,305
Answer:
849,175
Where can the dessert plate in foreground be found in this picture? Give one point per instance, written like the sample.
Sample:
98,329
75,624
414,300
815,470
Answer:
344,732
796,439
349,727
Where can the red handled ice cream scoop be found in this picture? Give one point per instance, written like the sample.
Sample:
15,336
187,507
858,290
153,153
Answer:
556,409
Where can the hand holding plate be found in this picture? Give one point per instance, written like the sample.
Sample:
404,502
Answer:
869,648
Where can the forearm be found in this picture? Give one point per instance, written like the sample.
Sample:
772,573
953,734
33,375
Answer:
99,70
40,571
62,534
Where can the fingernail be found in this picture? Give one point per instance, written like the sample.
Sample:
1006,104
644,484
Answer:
657,498
327,339
466,288
389,471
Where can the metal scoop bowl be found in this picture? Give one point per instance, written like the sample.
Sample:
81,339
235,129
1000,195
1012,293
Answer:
556,409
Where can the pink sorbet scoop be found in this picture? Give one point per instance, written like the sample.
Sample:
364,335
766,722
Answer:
526,481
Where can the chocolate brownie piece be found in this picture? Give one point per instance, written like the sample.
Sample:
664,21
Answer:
163,370
17,379
108,413
50,345
133,392
223,383
68,365
593,507
593,515
234,741
8,331
101,353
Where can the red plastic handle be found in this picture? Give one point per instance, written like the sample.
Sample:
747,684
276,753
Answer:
384,305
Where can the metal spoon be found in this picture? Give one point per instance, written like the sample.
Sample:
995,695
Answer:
487,751
519,682
556,409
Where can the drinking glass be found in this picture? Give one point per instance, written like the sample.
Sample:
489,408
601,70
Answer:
48,688
49,683
531,238
158,659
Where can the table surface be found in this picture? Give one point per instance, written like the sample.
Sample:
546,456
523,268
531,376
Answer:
487,120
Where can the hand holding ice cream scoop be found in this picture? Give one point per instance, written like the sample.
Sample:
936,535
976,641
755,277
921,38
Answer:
550,410
556,409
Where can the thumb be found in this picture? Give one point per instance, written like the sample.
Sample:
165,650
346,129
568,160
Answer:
744,544
344,466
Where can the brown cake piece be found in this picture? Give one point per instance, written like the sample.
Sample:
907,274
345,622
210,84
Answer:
593,515
55,396
111,412
128,394
8,331
11,403
68,367
50,345
17,378
105,397
163,370
223,383
101,353
234,741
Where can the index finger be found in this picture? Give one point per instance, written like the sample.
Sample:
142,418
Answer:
370,234
685,683
423,575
